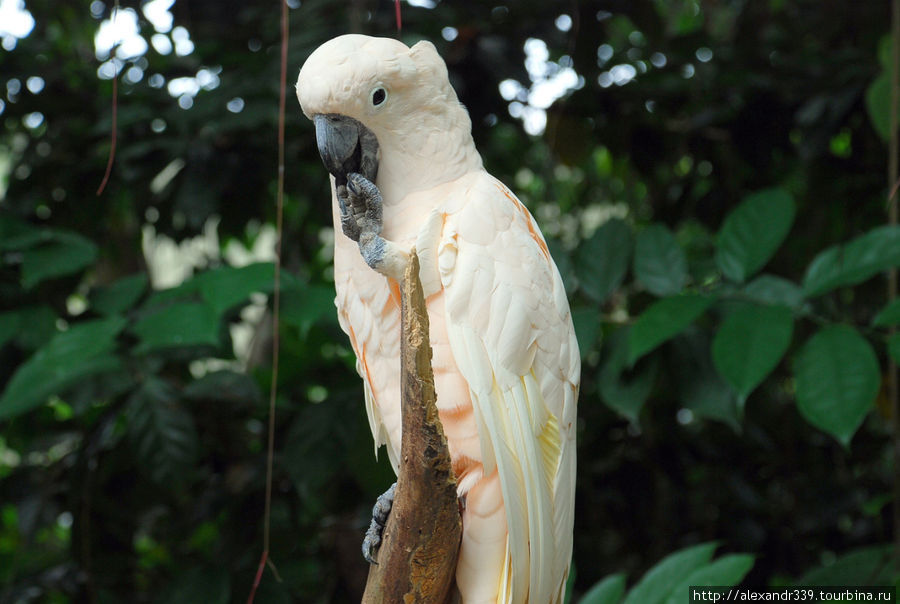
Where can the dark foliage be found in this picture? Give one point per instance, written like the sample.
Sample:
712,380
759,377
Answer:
721,145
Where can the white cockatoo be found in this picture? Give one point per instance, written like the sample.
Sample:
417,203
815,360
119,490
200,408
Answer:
405,174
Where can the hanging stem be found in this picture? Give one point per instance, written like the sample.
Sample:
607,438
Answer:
276,311
115,108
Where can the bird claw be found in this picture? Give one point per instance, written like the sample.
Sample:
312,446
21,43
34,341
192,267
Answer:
348,224
366,203
361,207
361,217
380,513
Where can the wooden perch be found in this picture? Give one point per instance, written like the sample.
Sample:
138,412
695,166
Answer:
417,558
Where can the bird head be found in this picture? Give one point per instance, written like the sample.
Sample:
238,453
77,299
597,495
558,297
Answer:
372,97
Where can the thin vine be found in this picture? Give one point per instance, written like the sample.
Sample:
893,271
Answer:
265,560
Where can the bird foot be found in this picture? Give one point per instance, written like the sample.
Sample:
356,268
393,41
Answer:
380,513
361,205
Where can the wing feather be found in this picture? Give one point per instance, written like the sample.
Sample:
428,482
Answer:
511,334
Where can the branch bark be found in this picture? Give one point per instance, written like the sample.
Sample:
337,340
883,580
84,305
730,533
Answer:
417,558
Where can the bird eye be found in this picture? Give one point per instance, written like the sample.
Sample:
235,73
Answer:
379,96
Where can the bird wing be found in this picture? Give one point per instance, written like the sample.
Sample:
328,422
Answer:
511,335
368,310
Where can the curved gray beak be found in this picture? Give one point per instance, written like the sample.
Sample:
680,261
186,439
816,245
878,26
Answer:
346,146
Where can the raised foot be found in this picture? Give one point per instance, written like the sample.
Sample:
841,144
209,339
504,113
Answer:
380,513
361,220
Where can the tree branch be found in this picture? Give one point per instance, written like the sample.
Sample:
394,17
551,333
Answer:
417,559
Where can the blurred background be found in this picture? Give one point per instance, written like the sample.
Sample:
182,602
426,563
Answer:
653,141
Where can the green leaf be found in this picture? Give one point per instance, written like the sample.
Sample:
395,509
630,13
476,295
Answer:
867,566
885,51
699,387
727,571
608,591
315,448
304,306
41,322
9,326
749,344
186,324
186,291
622,390
878,105
119,296
853,262
162,431
225,287
659,262
769,289
889,315
602,261
587,328
225,386
659,581
17,235
893,347
67,253
662,320
753,231
69,357
837,381
570,584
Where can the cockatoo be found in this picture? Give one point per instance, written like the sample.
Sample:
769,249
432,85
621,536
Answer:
405,174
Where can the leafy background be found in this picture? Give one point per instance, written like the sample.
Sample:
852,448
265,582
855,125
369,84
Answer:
711,180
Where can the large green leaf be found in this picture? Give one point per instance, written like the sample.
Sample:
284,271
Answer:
769,289
878,104
188,290
181,324
867,566
65,254
162,431
889,315
41,323
662,320
837,381
607,591
622,389
699,387
315,448
225,385
18,235
749,344
727,571
587,327
9,326
602,260
753,231
83,350
657,584
659,262
118,296
304,306
893,347
227,286
853,262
